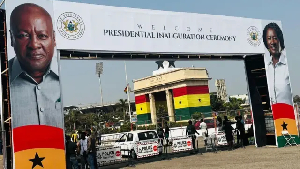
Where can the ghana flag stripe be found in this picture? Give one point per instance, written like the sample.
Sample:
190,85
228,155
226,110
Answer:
40,158
281,140
144,118
37,136
185,113
286,124
142,108
177,92
281,110
193,100
141,99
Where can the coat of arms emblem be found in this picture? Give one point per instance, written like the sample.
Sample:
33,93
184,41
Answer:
70,26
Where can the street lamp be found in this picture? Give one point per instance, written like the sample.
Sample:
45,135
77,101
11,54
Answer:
99,71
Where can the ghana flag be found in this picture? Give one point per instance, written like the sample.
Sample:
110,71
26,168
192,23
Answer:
143,112
39,146
191,99
284,119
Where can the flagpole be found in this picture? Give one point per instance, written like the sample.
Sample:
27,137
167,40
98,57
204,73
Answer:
128,94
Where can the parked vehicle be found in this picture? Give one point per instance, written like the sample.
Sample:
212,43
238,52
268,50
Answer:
209,122
248,119
129,141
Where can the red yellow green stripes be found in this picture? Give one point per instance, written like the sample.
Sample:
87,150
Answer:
143,112
191,99
39,141
186,90
142,104
284,119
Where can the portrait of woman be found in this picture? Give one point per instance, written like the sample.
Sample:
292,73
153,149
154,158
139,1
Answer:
276,65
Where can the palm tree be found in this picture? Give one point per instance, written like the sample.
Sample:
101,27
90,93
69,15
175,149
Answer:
72,118
122,106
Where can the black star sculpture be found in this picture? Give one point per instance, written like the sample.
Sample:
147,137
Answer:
172,63
284,126
37,161
160,64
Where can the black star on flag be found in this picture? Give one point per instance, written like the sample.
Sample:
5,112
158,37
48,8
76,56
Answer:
37,161
284,126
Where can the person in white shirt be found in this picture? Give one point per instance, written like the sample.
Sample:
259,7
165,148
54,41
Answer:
203,128
82,144
276,66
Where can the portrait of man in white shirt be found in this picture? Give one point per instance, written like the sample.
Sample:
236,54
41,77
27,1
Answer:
276,65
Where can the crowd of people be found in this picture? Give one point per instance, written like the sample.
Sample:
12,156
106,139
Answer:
242,137
82,147
225,126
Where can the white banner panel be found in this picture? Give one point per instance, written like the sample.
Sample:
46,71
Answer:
182,144
111,154
147,148
102,28
221,139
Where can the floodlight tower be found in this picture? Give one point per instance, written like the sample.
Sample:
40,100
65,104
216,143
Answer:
99,71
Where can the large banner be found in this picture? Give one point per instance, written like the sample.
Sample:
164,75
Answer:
279,84
102,28
37,118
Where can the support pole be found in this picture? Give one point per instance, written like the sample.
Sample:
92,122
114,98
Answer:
100,86
128,95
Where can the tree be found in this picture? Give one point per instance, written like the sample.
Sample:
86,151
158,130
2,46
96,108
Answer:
216,103
234,104
72,119
161,112
123,106
197,115
296,99
127,127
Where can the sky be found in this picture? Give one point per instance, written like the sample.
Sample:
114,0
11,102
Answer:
81,85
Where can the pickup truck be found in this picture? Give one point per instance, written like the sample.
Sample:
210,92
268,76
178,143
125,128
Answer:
133,143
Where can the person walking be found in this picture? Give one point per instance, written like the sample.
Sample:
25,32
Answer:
160,133
71,154
167,132
241,132
203,128
190,132
91,149
82,146
99,137
228,132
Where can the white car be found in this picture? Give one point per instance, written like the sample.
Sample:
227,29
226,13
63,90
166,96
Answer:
139,143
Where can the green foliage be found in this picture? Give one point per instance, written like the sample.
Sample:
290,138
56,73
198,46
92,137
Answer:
127,127
178,124
161,112
123,107
216,103
234,104
296,99
197,115
148,127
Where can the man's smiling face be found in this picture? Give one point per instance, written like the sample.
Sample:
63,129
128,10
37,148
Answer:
33,38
